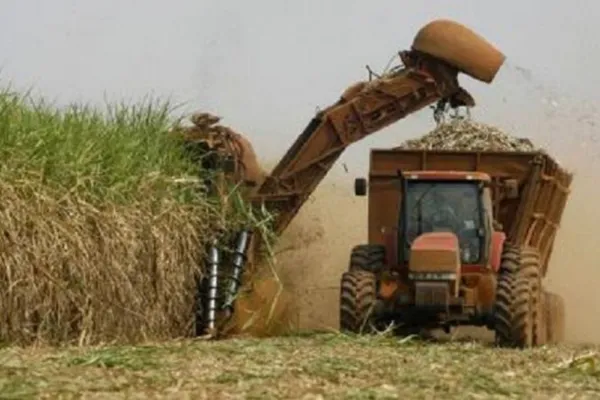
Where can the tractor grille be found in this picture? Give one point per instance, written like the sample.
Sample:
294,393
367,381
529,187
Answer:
432,294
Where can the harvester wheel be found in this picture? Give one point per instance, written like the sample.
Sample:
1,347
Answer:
518,315
555,316
367,257
358,296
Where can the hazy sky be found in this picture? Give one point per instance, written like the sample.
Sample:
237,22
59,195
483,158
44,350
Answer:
266,65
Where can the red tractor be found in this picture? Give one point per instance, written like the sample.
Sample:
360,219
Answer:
458,238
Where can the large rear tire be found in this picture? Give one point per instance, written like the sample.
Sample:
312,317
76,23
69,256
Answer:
555,317
518,317
358,297
504,294
527,316
367,257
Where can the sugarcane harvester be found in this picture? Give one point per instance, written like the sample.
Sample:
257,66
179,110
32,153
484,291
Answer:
427,74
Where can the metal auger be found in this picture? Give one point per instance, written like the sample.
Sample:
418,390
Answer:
239,261
211,312
207,294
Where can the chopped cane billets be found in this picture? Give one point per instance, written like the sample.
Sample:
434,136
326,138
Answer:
468,135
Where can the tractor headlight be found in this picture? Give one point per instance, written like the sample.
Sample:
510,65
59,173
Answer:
432,276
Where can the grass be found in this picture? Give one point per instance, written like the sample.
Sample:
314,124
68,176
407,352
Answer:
308,366
101,156
99,241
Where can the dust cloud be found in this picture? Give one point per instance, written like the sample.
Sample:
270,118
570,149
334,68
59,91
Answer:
575,270
300,290
315,251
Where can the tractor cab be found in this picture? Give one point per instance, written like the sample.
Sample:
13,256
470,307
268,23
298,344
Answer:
447,207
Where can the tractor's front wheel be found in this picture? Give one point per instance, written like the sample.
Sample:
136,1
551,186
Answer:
358,296
519,317
503,313
367,257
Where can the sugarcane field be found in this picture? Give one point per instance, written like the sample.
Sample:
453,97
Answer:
245,219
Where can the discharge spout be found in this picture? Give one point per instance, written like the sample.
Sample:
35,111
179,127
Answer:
460,47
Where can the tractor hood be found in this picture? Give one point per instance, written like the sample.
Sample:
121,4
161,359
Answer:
460,47
435,253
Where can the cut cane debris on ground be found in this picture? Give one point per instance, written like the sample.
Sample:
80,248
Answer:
326,366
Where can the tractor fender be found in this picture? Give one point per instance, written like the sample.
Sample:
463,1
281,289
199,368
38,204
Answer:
498,239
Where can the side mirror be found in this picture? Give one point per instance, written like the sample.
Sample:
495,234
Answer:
360,187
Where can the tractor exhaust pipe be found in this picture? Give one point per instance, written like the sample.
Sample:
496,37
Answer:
214,260
239,260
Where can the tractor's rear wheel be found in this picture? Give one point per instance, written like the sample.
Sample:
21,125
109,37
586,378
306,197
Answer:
358,297
504,294
367,257
519,320
555,317
527,292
